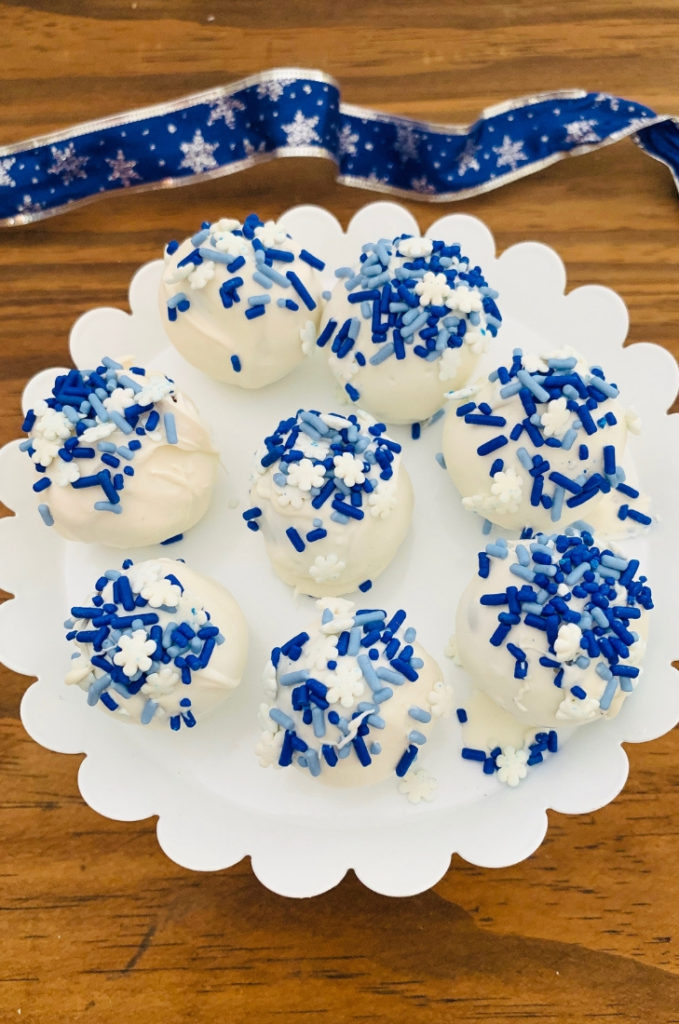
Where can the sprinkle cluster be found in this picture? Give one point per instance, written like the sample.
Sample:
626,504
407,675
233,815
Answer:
417,295
511,764
233,246
143,634
340,683
343,466
582,598
560,402
75,434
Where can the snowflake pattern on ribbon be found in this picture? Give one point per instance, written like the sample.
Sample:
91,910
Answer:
290,110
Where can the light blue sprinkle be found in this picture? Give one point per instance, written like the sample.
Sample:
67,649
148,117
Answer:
170,427
383,352
414,736
120,422
419,714
106,506
281,718
369,674
149,711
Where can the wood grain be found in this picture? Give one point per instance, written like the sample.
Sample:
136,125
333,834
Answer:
96,924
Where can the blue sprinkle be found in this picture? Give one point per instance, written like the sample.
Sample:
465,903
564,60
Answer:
461,715
236,364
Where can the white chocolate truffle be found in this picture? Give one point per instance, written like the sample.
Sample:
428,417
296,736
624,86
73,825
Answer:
158,644
553,628
332,500
354,700
123,456
539,444
237,300
406,324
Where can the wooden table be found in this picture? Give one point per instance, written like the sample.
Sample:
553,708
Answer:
97,924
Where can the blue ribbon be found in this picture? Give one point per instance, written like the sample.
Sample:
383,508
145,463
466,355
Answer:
296,112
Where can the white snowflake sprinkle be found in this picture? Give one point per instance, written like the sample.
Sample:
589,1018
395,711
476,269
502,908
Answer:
162,592
346,685
289,497
349,468
506,488
633,421
142,574
268,749
133,653
269,680
53,425
270,234
322,650
162,682
557,419
511,765
574,709
307,335
463,299
341,611
155,390
382,500
98,433
203,273
414,247
567,643
44,451
119,400
198,154
305,475
327,568
418,785
441,699
433,289
225,241
64,473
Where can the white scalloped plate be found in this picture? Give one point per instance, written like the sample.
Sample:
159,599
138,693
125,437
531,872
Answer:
214,803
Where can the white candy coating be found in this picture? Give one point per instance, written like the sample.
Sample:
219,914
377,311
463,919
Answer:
536,700
133,652
505,497
348,693
208,334
351,552
413,388
172,484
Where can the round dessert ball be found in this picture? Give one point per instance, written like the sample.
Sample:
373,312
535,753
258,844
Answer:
239,300
408,322
332,500
553,628
540,443
122,456
157,644
353,700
